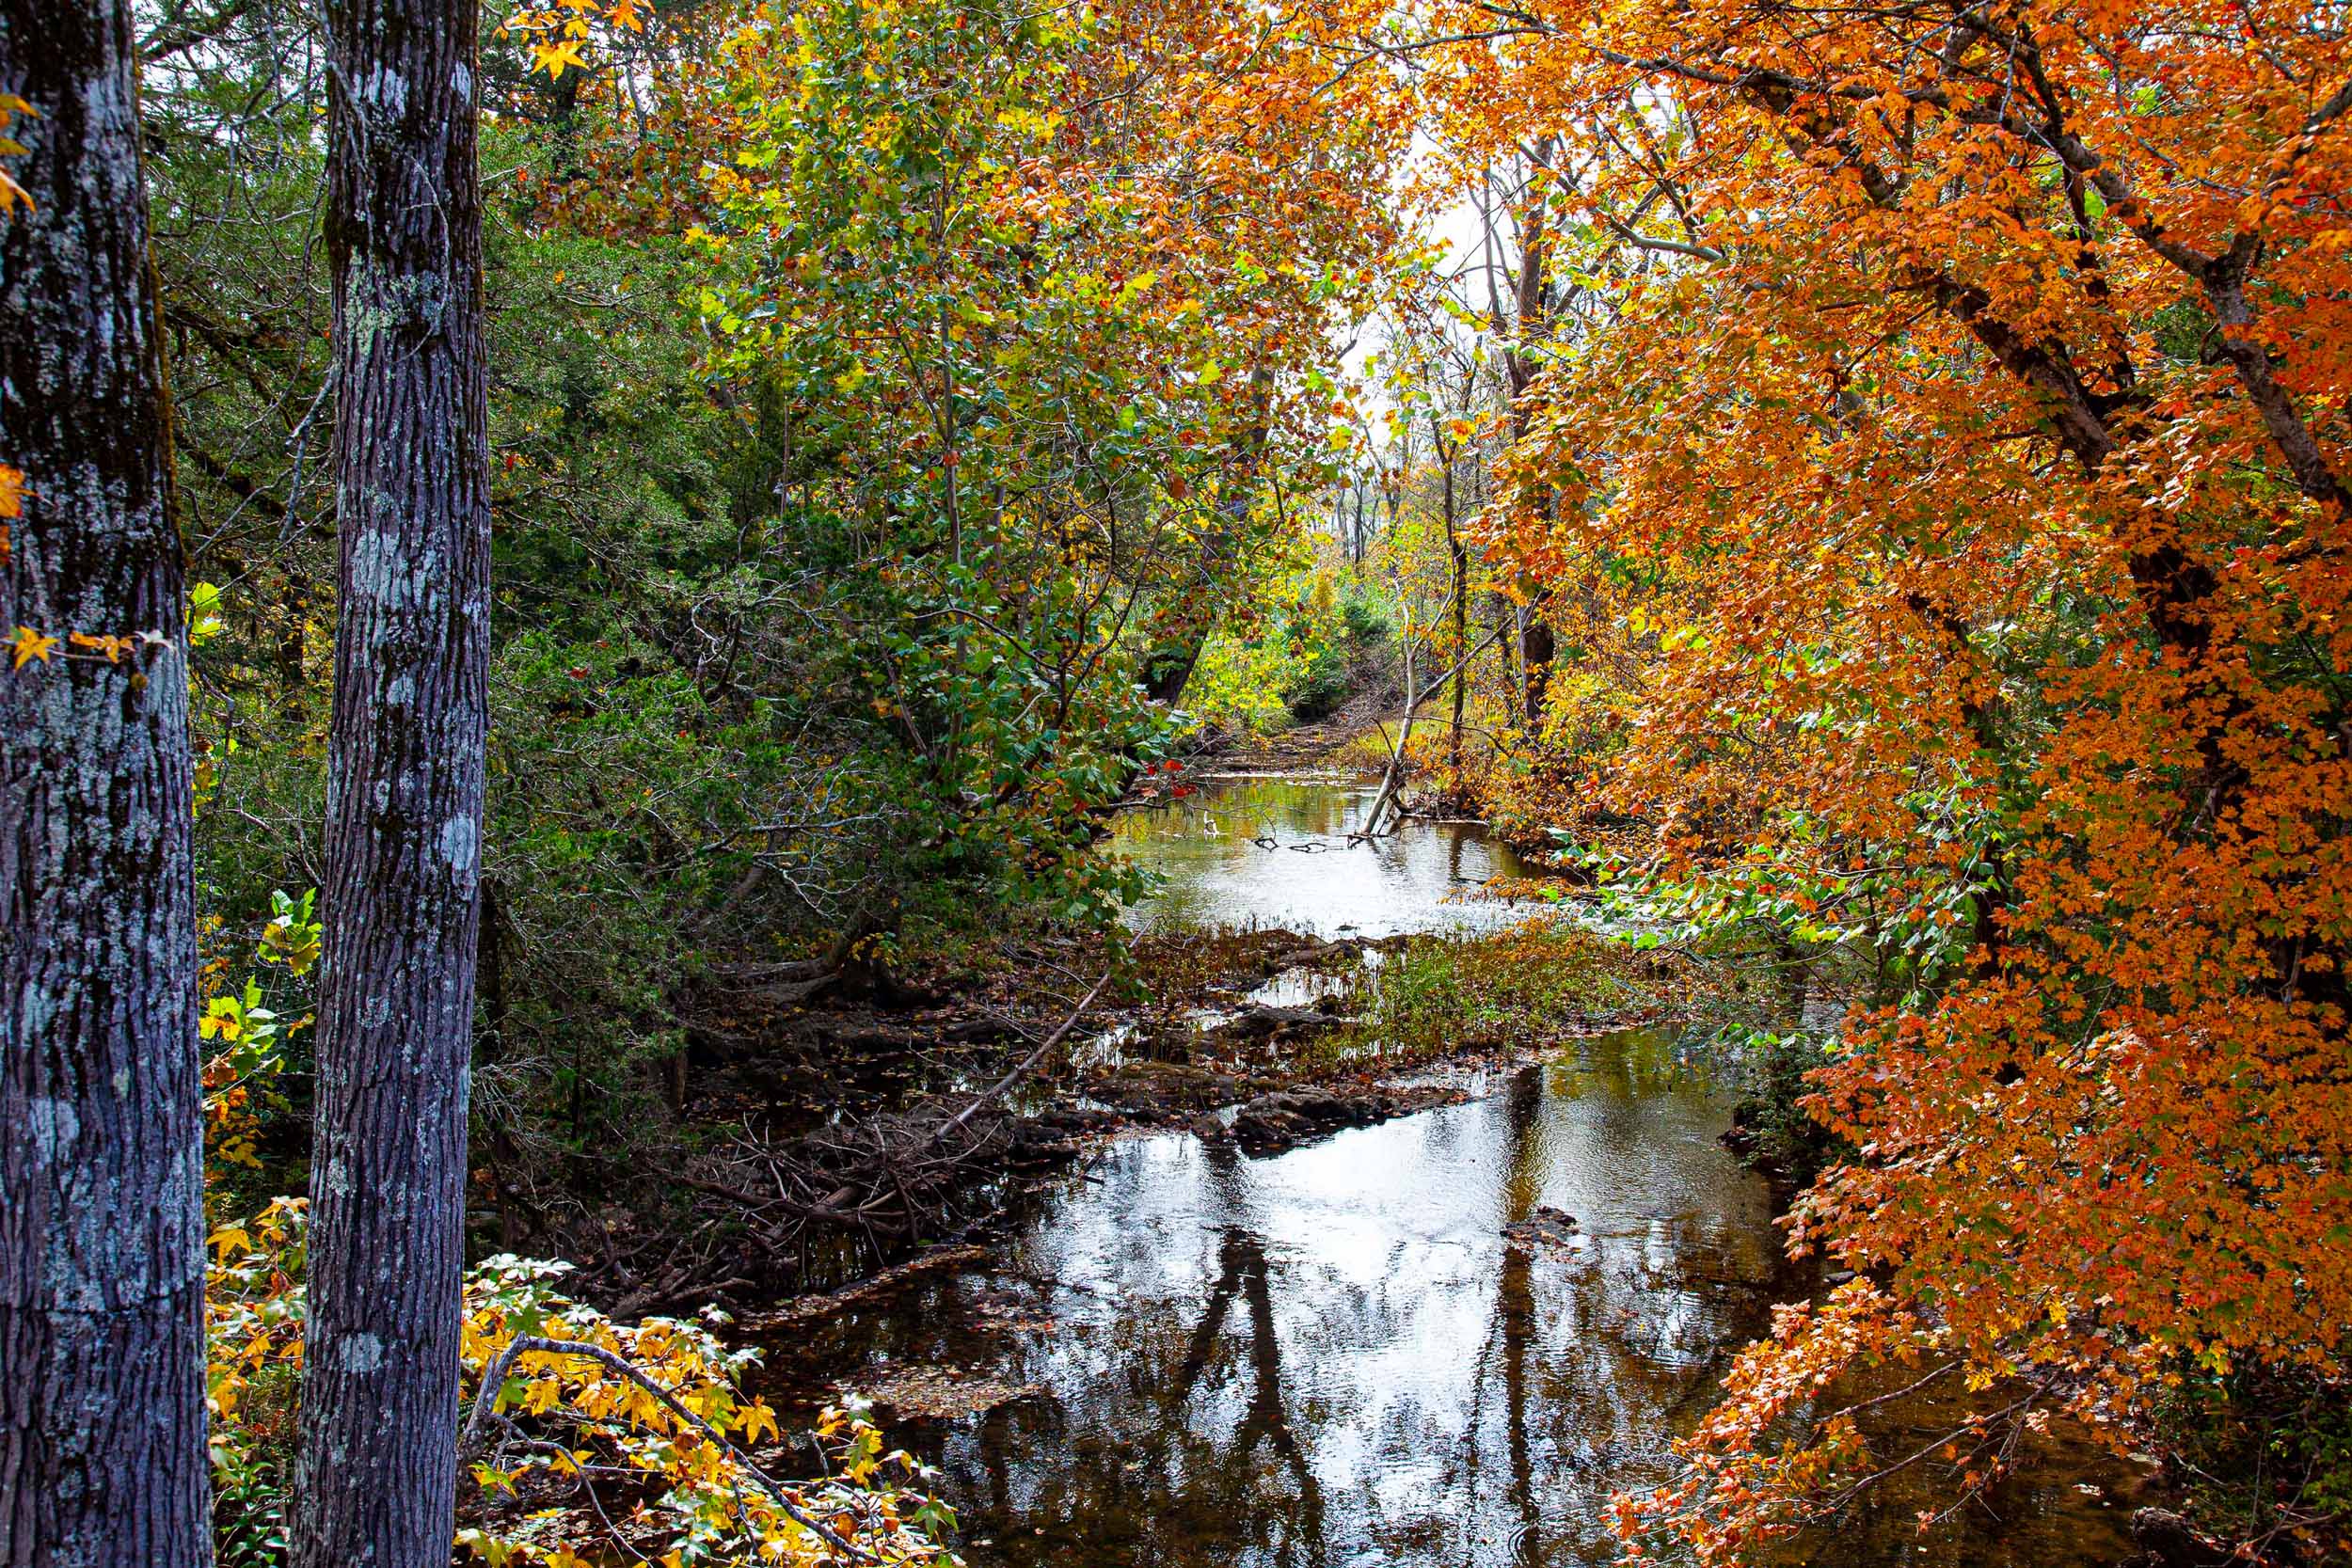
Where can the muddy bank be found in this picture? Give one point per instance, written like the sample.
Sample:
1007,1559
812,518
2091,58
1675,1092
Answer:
823,1141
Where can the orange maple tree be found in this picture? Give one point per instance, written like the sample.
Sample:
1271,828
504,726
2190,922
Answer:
1959,436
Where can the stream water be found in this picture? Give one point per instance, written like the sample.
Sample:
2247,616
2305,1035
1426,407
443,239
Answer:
1393,1346
1275,851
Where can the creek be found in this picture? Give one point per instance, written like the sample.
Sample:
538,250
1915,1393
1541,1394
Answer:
1444,1340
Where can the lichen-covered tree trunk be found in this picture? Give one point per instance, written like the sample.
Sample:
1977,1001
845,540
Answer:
102,1278
376,1469
1458,562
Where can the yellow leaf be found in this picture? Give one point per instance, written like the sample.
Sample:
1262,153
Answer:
553,57
12,491
31,646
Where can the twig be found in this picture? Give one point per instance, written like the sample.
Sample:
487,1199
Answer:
1004,1085
494,1379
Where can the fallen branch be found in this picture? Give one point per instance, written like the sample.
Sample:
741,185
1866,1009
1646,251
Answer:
892,1180
494,1379
1021,1069
1394,777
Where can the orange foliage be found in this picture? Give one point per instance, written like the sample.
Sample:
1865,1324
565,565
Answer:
1960,440
1946,450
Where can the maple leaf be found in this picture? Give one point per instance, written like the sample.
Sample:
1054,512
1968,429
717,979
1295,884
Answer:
553,57
12,193
31,646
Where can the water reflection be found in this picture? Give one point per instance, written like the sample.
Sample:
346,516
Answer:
1337,1356
1384,1349
1274,852
1391,1347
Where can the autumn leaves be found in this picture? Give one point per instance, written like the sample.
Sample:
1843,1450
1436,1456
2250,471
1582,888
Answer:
1960,411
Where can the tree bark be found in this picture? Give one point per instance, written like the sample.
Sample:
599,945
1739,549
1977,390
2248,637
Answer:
1532,298
378,1462
1458,560
1506,655
1537,648
102,1270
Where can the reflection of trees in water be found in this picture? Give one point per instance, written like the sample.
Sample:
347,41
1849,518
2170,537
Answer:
1185,1425
1571,1387
1189,1453
1242,1269
1219,1475
1514,1298
1220,876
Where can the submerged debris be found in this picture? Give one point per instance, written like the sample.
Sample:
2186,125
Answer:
1285,1119
942,1393
1545,1226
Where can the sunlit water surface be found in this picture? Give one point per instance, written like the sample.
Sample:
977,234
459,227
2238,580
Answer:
1276,851
1359,1352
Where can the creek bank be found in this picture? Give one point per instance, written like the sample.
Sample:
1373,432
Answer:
823,1141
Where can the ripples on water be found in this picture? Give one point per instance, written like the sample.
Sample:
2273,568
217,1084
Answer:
1337,1356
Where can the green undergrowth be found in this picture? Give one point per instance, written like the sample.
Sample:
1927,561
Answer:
1523,989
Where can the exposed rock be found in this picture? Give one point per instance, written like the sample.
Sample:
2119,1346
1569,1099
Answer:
1285,1119
875,1037
944,1392
1162,1091
1262,1023
2166,1540
1545,1226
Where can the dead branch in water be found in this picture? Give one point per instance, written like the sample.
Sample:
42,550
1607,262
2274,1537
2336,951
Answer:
1393,779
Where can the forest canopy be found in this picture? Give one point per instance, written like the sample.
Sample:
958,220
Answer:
701,507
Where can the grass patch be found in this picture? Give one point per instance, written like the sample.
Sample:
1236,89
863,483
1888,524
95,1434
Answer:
1523,989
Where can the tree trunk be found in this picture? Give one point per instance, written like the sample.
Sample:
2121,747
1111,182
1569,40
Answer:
1458,557
1533,304
378,1463
1537,649
1506,655
102,1268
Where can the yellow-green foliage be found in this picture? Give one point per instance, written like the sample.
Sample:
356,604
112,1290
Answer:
644,1420
1253,667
